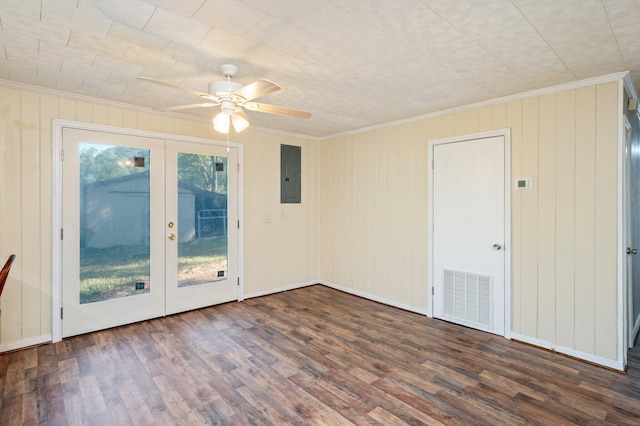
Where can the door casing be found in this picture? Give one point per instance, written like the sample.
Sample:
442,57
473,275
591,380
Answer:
506,134
57,130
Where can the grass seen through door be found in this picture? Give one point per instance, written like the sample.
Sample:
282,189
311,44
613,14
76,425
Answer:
109,273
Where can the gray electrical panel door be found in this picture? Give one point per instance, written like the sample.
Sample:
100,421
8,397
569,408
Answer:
290,173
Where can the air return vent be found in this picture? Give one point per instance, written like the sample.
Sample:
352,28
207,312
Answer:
468,297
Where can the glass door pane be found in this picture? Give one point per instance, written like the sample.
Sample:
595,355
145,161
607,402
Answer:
114,222
202,219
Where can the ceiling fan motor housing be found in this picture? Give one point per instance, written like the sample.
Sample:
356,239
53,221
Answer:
223,87
228,107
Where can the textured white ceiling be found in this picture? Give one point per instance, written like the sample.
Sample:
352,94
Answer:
352,63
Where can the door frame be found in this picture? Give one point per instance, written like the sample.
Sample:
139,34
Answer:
57,128
506,134
624,215
628,236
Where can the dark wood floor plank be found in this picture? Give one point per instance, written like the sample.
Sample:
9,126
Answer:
15,383
293,404
134,400
11,410
611,397
617,416
508,386
469,407
308,356
384,417
73,404
52,412
352,412
427,404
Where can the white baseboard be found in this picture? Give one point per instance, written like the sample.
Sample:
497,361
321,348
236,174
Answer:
374,298
20,344
585,356
281,289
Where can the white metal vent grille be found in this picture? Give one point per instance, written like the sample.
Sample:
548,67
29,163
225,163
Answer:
468,297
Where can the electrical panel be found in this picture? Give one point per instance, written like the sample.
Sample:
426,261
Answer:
290,174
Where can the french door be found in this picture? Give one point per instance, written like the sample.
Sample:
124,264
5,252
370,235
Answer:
149,228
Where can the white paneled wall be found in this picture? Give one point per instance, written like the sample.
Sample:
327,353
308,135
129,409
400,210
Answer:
281,253
373,190
280,240
362,224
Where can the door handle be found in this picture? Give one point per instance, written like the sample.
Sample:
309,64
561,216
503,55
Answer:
172,236
496,246
632,251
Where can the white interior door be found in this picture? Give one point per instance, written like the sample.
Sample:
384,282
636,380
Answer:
469,233
123,197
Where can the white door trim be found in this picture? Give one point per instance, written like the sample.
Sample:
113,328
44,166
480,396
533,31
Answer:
58,126
624,85
506,133
628,237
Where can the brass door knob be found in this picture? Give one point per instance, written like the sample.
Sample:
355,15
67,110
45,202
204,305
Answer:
170,224
172,236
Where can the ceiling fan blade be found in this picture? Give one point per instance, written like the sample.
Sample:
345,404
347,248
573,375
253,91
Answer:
189,106
241,113
257,89
274,109
174,86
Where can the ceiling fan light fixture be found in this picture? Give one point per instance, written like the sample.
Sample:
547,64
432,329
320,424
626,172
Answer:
221,122
239,123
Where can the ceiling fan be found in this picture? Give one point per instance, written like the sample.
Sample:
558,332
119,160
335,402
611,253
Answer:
232,97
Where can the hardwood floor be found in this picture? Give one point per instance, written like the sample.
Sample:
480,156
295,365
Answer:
308,356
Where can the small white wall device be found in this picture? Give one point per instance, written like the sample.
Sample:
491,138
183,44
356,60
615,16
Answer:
523,184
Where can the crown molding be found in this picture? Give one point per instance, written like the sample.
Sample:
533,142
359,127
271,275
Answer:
505,99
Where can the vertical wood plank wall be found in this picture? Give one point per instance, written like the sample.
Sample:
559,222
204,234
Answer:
276,254
373,189
362,223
